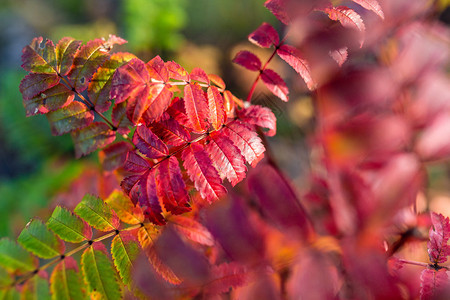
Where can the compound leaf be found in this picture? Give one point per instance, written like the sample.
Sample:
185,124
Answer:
293,57
438,250
90,138
73,116
248,60
14,258
372,5
36,287
65,281
39,57
148,143
124,250
124,208
49,100
66,49
34,84
265,36
217,115
275,84
196,107
260,116
192,229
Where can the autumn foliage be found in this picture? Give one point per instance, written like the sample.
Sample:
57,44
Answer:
200,210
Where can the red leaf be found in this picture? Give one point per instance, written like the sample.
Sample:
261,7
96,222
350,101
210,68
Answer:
130,81
157,69
178,112
158,103
97,135
176,71
170,131
66,49
248,60
52,99
39,58
128,183
293,57
202,172
115,155
199,75
144,193
432,283
217,115
34,84
217,80
246,140
277,8
171,188
339,56
72,117
136,164
277,199
438,250
260,116
372,5
265,36
227,157
434,142
148,143
226,276
347,17
196,107
275,84
119,118
86,62
192,230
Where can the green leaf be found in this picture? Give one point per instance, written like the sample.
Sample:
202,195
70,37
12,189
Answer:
74,116
65,282
97,213
100,86
124,250
99,273
68,226
9,294
5,279
125,209
36,288
14,258
97,135
36,238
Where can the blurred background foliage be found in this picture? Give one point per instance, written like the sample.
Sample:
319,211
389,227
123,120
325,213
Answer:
35,166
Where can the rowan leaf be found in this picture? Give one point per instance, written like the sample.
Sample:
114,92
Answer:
148,143
177,111
192,229
217,81
259,116
136,163
130,81
124,250
66,49
293,57
265,36
100,85
275,84
196,106
68,226
97,213
202,172
217,115
99,273
248,60
226,276
90,138
438,249
246,140
34,84
227,157
119,118
339,55
170,131
277,8
39,57
199,75
372,5
114,156
176,71
14,258
159,100
39,240
432,282
157,69
144,192
86,62
36,287
147,235
162,269
72,117
51,99
65,281
348,19
170,186
6,280
124,208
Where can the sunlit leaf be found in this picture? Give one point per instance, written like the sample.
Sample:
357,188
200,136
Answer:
72,117
65,281
68,226
36,238
90,138
14,258
97,213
